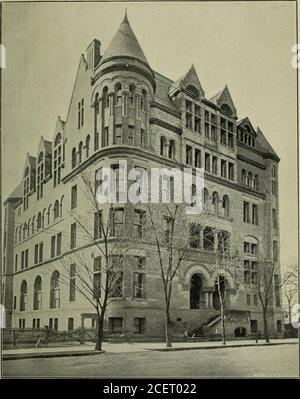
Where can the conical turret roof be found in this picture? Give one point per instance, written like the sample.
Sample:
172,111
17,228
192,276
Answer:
124,44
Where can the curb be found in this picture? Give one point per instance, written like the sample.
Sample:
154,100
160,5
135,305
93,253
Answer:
219,347
49,355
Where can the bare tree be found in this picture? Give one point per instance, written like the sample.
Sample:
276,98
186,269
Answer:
267,286
102,282
169,231
290,290
224,266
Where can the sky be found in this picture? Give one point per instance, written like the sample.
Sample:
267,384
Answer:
246,45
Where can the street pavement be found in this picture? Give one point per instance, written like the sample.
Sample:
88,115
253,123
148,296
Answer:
250,361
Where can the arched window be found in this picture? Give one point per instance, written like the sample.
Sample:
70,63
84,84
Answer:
225,205
57,159
205,197
250,180
32,225
162,145
131,95
255,182
56,209
96,113
105,97
144,100
244,178
73,158
28,227
39,221
61,206
80,152
40,175
43,218
54,290
172,149
118,91
23,296
87,146
196,294
37,293
215,202
16,235
49,214
24,230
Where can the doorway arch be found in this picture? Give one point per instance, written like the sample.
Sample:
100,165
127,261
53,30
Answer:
196,284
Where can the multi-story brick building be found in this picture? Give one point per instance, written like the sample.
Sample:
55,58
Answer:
121,109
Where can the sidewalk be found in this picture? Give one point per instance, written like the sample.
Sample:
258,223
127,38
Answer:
108,347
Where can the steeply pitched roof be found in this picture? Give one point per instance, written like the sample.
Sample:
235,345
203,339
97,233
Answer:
124,44
263,145
48,146
224,96
190,77
162,91
16,194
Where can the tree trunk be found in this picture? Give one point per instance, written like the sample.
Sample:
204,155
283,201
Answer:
266,331
99,331
223,325
168,338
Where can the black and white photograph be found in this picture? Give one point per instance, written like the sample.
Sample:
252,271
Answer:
149,188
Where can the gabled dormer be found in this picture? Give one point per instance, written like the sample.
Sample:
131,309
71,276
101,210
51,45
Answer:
43,165
224,101
28,179
246,132
58,151
189,84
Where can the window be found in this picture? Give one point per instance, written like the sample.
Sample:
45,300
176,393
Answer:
26,185
98,225
207,124
22,260
15,302
26,258
255,300
223,131
274,218
254,249
58,244
118,134
57,159
188,114
208,239
188,155
105,137
80,152
16,262
80,119
248,300
115,324
253,326
53,239
231,140
215,165
73,235
139,325
41,249
131,95
197,158
207,162
139,223
195,236
244,178
55,290
74,161
115,276
162,145
74,197
70,323
130,135
231,171
172,149
246,216
246,271
279,326
223,168
38,221
225,205
139,278
23,296
56,209
36,254
144,142
254,214
97,278
215,202
253,272
72,292
40,176
37,293
117,222
87,146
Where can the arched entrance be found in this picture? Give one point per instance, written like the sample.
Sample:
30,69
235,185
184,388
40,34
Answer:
195,291
216,297
240,332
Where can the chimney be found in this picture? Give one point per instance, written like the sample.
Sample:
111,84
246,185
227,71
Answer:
93,54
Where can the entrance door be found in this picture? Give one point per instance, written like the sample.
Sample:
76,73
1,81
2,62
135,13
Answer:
195,291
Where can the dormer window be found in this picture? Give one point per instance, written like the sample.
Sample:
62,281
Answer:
57,160
192,91
225,108
26,188
40,175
